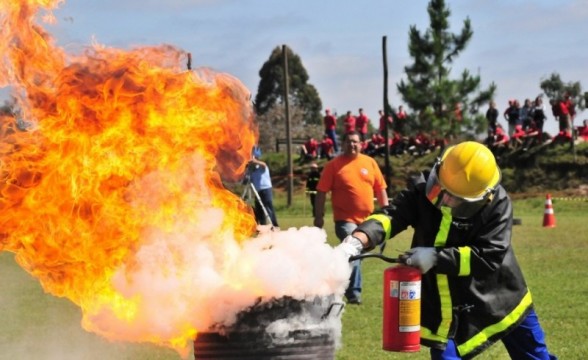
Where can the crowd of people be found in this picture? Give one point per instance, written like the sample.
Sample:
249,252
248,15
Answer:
374,144
525,130
526,122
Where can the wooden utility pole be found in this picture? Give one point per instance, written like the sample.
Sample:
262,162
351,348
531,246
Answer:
388,167
288,134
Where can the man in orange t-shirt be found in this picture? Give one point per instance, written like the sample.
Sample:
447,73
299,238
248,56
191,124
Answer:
353,180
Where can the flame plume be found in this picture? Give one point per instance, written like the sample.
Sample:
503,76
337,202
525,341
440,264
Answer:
111,191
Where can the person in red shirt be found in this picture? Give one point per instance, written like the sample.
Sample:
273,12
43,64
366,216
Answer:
501,138
518,136
498,142
532,136
400,120
330,123
422,143
567,111
438,142
376,145
361,124
458,112
583,131
563,137
309,150
349,123
326,148
564,116
383,120
398,144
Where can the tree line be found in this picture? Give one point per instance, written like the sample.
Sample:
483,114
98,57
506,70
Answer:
451,105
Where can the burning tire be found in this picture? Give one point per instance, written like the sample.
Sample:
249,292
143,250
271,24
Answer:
280,329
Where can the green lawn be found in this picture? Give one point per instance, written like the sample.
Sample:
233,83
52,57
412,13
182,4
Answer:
40,326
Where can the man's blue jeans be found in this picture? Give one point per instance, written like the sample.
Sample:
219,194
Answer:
353,292
332,134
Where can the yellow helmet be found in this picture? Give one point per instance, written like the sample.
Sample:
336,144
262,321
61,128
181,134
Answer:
465,179
468,170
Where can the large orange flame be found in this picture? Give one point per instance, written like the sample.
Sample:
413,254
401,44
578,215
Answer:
113,164
111,192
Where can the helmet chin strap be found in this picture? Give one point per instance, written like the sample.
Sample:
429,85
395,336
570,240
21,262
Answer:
491,195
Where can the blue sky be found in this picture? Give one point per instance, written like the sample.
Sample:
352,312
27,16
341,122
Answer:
516,43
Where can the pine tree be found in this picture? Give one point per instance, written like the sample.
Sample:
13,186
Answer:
447,105
555,89
270,91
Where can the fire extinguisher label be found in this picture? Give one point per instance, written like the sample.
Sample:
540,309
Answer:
410,290
409,306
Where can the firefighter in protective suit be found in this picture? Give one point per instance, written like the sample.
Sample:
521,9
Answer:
473,290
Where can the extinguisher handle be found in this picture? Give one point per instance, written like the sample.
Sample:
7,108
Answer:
372,255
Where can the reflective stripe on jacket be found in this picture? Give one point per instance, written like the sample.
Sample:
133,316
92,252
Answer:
476,293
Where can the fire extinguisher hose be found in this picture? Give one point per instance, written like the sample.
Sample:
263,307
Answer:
372,255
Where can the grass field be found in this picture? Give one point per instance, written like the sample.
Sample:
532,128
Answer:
36,325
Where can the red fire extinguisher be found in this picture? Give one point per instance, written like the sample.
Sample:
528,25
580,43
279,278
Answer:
402,309
402,306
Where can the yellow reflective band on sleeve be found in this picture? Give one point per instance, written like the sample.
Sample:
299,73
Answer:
465,256
446,309
446,313
446,305
441,238
483,336
385,221
428,334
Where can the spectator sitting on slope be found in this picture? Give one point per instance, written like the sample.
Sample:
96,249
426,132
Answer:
309,150
582,131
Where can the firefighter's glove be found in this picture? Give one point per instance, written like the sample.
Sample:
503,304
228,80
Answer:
351,246
423,258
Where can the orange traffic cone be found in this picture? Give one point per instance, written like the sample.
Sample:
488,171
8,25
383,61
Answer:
549,217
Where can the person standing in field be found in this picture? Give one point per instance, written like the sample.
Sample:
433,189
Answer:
383,120
512,116
349,123
330,124
473,290
539,116
312,180
400,120
262,182
492,117
361,124
353,180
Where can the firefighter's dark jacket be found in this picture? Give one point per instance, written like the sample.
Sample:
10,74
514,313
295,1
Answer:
476,293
